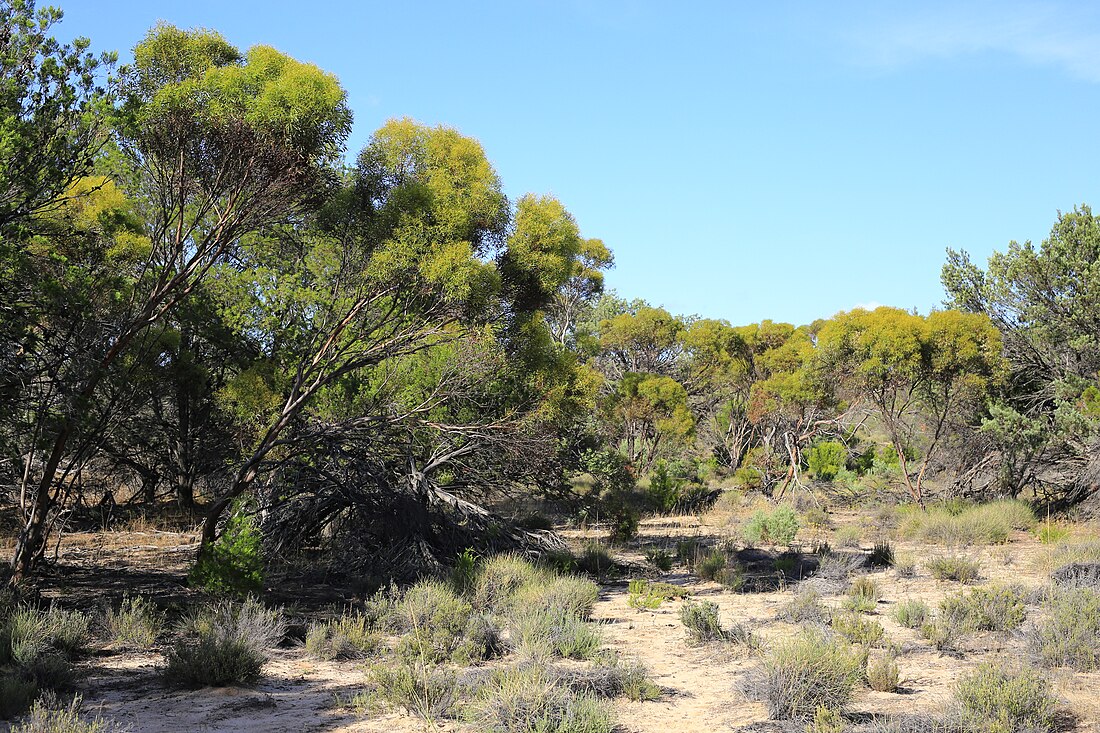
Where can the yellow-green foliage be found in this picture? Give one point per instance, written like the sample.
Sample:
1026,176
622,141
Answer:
956,568
350,636
808,672
883,674
135,623
858,629
439,625
988,524
1069,635
994,700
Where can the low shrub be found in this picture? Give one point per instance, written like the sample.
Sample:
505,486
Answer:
708,567
778,527
39,645
905,567
946,629
16,695
46,718
994,700
808,672
596,561
858,629
988,524
649,596
955,568
826,720
424,690
848,536
912,613
1069,634
732,577
866,589
882,555
135,623
348,637
542,633
226,644
610,676
441,626
1050,534
531,699
702,622
464,572
883,674
995,607
1077,575
499,578
563,593
805,607
659,558
834,572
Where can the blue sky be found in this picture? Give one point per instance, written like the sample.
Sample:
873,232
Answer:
780,160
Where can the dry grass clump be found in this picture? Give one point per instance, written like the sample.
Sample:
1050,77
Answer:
988,524
805,607
135,624
883,674
499,578
955,568
834,572
569,594
808,672
611,676
46,716
542,633
912,613
530,698
37,647
425,690
863,595
225,644
350,636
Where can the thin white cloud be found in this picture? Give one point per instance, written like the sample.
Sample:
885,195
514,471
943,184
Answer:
1046,35
867,306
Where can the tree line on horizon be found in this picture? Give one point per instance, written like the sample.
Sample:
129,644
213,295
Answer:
201,301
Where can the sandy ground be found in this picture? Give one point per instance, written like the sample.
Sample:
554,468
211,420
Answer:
701,686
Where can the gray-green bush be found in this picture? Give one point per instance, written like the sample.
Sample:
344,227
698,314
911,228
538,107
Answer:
808,672
225,644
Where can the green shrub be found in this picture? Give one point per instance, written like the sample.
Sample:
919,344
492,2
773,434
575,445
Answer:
642,597
542,633
659,558
227,644
882,555
708,567
1050,534
687,551
995,607
39,644
1069,635
46,718
348,637
835,570
808,672
16,695
805,607
858,629
994,700
826,459
912,613
883,674
702,622
848,536
424,690
610,676
954,568
865,588
530,699
946,629
464,572
500,578
778,527
732,577
817,517
233,564
439,626
568,594
136,623
826,720
596,561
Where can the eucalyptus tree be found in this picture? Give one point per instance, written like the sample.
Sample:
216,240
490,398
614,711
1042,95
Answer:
217,144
